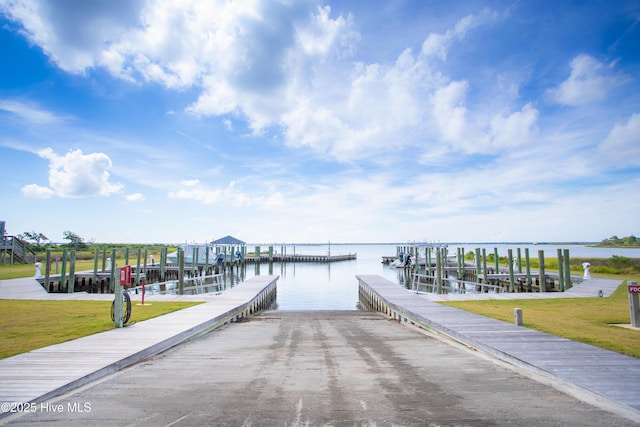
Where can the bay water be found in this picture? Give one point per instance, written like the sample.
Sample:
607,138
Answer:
333,286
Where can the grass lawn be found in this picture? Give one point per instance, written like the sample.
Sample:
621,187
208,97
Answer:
587,320
27,325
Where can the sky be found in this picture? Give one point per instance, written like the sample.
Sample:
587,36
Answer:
172,121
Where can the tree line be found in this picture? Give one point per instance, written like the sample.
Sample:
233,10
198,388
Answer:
39,242
616,241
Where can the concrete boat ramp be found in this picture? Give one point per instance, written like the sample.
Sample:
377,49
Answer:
602,378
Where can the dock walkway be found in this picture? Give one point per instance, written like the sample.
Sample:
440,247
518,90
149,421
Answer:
41,374
604,375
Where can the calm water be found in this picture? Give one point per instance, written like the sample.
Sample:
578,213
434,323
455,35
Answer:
333,286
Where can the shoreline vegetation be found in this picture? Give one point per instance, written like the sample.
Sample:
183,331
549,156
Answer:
587,320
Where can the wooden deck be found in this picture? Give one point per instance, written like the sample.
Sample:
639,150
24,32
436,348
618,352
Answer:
51,371
603,375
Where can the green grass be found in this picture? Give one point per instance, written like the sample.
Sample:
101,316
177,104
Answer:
587,320
26,325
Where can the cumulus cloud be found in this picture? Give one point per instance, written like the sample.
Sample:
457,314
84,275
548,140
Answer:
75,175
622,145
589,81
278,64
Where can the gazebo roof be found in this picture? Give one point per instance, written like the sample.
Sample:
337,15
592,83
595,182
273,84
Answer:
228,240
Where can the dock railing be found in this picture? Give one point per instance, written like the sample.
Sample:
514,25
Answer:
198,285
451,285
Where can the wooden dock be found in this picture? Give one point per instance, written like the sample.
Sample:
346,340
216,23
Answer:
601,375
44,373
100,281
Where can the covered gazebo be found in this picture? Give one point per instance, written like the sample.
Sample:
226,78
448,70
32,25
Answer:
228,241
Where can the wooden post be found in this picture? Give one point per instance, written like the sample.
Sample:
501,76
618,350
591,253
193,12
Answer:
47,269
479,266
180,271
126,256
519,261
512,284
528,265
567,270
96,257
484,265
112,282
428,269
438,271
104,259
163,263
270,253
138,268
194,261
118,296
496,260
144,265
560,271
206,260
72,272
63,271
541,275
256,255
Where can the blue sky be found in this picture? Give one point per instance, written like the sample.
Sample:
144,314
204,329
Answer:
309,121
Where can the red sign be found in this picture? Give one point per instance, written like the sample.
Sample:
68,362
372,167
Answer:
125,275
634,289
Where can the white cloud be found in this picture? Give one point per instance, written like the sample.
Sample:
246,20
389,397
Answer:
622,145
31,114
438,45
514,130
273,64
75,175
589,81
37,192
135,197
233,193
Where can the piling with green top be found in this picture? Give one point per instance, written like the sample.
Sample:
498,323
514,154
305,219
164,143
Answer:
484,264
560,271
528,265
63,271
180,271
541,275
512,280
163,262
72,272
96,255
438,271
104,259
567,270
139,254
112,281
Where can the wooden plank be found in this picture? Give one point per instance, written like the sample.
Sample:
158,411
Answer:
47,372
600,372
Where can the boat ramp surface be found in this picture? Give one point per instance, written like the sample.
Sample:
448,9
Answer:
311,368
